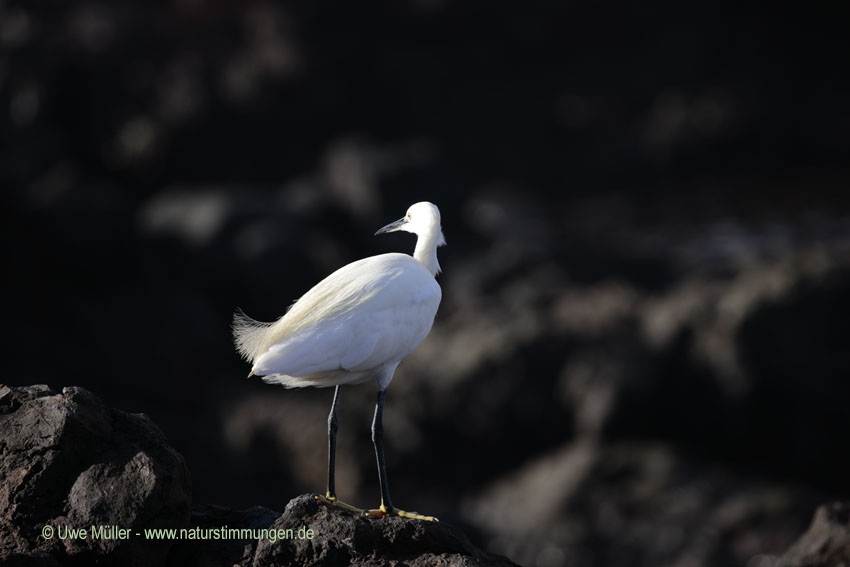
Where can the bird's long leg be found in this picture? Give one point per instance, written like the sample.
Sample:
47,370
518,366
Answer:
333,425
378,442
386,508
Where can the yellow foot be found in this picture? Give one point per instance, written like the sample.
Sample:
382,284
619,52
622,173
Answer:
332,501
383,513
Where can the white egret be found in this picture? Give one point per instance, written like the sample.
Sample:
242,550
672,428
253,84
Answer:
355,325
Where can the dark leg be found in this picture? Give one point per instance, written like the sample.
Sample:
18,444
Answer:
378,441
333,425
387,508
330,497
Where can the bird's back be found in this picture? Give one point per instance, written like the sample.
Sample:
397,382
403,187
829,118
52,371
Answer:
366,315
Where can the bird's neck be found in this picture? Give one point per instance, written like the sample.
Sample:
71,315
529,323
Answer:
426,253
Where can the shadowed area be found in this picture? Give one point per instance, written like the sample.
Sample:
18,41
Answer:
640,352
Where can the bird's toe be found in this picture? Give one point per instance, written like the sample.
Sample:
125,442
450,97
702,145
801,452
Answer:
383,512
333,502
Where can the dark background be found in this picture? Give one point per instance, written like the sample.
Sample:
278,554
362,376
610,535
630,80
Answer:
642,352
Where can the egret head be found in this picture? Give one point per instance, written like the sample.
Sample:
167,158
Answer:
422,219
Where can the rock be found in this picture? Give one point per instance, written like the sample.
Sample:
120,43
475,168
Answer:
67,460
343,538
70,462
34,560
827,541
225,551
635,503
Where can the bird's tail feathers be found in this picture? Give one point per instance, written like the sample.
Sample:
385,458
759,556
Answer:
287,381
318,380
248,334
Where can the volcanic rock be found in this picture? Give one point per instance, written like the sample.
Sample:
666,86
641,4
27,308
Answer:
85,484
68,461
827,541
344,538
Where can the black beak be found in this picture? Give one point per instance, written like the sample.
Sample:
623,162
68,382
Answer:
392,227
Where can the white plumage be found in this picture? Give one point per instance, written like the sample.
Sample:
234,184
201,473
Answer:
359,322
356,324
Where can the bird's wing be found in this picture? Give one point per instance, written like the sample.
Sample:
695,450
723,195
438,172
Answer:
379,314
393,332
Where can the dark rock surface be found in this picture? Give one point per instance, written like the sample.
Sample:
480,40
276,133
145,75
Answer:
223,551
635,503
827,541
68,461
344,538
335,537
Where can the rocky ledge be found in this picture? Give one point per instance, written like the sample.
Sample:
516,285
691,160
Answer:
84,484
827,541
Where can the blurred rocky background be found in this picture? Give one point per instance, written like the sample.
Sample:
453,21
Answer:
642,353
